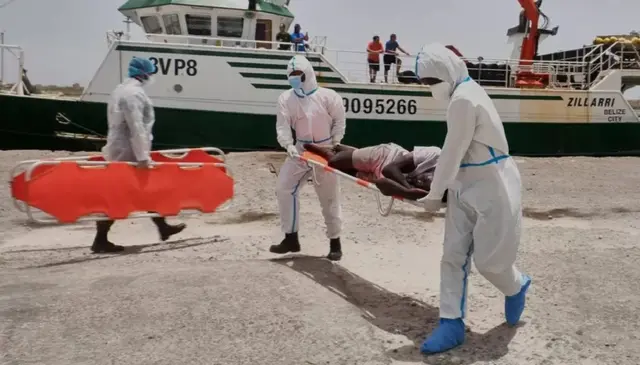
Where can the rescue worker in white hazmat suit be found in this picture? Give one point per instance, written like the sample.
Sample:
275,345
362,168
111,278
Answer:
130,116
317,115
484,208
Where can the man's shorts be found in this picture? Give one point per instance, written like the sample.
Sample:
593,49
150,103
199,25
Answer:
388,60
372,160
375,66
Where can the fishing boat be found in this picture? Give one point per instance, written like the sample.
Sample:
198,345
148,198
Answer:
220,72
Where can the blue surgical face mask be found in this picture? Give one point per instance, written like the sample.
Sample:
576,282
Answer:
295,82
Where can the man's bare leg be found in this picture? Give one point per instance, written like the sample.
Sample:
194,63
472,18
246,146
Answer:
343,161
339,157
325,152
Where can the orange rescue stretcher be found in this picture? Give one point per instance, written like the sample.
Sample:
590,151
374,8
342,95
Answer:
88,188
314,160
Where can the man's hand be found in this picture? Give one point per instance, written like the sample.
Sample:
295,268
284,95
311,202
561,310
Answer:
144,164
430,204
292,151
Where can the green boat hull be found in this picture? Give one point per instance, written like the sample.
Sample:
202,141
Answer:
39,123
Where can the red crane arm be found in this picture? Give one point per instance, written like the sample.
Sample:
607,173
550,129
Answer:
532,13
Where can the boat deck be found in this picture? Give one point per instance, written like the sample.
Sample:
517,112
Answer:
578,69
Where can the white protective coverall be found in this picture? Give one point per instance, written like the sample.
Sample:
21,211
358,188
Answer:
130,116
317,115
484,209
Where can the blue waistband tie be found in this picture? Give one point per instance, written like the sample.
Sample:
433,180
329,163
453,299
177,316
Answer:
312,141
494,159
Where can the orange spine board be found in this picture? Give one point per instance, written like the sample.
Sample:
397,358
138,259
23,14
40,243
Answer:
69,191
19,184
19,188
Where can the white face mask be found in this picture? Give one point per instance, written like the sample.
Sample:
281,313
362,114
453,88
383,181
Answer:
441,91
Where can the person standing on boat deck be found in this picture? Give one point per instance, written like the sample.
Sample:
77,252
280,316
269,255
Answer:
317,115
484,202
374,49
391,56
298,38
131,117
284,37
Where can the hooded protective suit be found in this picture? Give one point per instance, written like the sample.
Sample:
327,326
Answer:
484,209
130,115
318,116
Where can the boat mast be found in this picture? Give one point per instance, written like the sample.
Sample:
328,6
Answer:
127,34
1,57
2,5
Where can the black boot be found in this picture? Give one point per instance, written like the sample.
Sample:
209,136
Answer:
290,243
167,230
335,249
101,243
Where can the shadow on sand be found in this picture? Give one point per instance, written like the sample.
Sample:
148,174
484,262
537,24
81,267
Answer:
128,250
397,314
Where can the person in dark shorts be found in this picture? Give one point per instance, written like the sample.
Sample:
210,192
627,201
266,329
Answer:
374,49
391,49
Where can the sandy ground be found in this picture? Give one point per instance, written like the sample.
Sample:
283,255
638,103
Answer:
215,295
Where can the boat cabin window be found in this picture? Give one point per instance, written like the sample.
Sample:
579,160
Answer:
151,24
198,25
172,24
230,27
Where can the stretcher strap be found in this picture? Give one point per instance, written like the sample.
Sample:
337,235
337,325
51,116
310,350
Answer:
318,161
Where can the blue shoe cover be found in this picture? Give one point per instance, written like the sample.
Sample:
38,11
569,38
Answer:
514,305
449,334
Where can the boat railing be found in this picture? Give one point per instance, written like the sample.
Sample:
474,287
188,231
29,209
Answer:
594,49
319,41
116,35
18,87
616,56
488,72
353,66
236,42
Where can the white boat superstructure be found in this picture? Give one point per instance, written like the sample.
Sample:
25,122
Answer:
221,66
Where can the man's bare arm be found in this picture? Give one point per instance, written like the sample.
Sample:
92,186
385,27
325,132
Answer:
389,187
397,168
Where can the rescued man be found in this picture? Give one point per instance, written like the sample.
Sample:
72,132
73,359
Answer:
393,169
317,115
130,118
